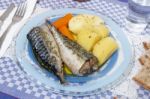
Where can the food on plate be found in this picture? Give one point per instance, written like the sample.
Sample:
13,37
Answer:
62,21
84,22
89,29
66,32
104,49
62,25
75,37
67,70
143,76
101,30
79,61
75,50
87,40
46,51
91,23
77,24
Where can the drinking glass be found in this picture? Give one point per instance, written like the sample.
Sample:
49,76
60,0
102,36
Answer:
138,15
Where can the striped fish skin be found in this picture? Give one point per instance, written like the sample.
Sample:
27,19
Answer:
73,55
46,51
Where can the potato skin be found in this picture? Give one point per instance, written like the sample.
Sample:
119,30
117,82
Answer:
87,39
104,49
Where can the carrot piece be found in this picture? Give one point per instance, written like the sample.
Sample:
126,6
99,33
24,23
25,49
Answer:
62,21
65,31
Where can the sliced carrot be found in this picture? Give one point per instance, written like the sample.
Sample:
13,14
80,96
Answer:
62,21
65,31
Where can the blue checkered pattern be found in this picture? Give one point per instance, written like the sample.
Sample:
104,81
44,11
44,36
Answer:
15,82
5,3
143,94
12,76
115,11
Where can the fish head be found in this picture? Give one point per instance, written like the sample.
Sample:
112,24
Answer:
89,66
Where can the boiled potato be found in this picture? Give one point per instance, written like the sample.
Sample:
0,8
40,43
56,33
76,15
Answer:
101,30
77,24
75,37
104,49
84,22
93,19
87,39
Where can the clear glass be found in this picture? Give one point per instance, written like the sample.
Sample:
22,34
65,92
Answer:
138,15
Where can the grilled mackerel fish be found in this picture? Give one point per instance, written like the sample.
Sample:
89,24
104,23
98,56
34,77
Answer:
46,51
78,60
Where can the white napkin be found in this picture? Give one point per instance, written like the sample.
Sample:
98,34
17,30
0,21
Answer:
15,28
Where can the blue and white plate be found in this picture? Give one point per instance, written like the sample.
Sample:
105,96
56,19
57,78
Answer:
110,75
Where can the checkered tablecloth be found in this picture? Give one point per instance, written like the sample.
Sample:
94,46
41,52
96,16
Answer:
14,82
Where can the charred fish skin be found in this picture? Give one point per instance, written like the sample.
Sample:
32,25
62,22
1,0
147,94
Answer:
75,57
46,51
